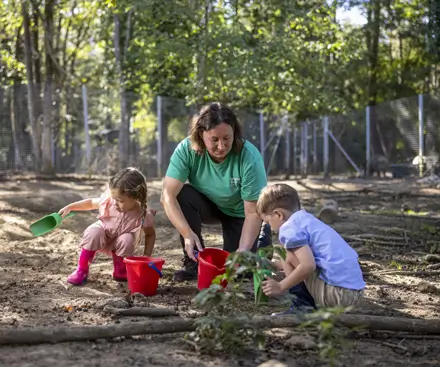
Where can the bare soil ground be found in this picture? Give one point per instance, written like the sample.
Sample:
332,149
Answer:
392,224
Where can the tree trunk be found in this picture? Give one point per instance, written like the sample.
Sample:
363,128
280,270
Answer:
40,335
329,211
124,129
48,88
36,55
18,164
30,85
400,77
372,38
202,54
17,128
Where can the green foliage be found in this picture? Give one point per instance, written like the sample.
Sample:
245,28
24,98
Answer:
145,120
277,55
233,334
330,338
214,333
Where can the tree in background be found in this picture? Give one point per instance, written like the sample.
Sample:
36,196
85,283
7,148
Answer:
278,55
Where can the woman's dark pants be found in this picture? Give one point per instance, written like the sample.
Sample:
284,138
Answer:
198,210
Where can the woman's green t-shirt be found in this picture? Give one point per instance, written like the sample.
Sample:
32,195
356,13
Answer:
240,177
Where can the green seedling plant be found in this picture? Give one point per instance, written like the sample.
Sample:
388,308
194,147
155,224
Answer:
396,265
214,333
330,338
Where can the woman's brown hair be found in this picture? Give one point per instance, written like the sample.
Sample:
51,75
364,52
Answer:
208,118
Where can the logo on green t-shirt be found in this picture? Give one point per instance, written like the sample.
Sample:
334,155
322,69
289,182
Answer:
234,182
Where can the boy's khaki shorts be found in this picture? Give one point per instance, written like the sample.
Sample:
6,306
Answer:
326,295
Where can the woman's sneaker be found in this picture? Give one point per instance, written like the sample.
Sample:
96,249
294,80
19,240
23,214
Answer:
188,272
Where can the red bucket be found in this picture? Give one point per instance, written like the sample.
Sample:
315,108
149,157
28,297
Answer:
143,274
211,263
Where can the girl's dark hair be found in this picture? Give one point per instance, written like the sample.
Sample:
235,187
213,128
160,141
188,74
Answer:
132,183
208,118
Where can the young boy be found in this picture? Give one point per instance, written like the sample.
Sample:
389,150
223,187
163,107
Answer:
321,269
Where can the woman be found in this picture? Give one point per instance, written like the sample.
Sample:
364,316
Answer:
225,175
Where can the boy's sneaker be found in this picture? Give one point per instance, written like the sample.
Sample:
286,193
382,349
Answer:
294,310
188,272
302,302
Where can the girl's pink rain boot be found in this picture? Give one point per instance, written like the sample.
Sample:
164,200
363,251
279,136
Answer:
79,276
119,269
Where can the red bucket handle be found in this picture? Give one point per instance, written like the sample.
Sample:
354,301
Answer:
154,267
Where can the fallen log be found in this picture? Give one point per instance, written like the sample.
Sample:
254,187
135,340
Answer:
404,272
379,237
141,311
433,267
370,239
329,211
385,335
85,333
432,258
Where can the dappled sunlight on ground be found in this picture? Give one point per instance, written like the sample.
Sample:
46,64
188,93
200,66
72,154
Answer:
33,270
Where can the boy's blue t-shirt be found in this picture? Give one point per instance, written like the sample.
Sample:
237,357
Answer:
335,258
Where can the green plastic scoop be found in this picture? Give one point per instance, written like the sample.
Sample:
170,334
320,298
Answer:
48,223
259,275
260,297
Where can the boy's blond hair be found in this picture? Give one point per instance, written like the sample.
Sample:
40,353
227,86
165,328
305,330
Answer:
278,196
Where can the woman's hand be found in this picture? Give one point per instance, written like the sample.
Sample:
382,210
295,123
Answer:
192,241
64,211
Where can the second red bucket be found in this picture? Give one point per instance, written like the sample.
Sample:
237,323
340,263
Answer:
143,274
211,264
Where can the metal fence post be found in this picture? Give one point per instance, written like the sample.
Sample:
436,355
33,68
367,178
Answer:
315,148
295,138
302,147
306,149
52,149
367,142
159,138
86,124
421,136
262,136
325,157
288,145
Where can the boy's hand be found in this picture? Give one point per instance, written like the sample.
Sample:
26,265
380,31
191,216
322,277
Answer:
271,287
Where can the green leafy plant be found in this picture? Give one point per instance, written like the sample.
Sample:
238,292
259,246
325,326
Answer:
330,338
215,333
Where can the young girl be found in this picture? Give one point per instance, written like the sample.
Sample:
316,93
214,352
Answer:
123,214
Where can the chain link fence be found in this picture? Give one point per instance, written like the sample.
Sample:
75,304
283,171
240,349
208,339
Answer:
84,127
431,110
395,129
84,130
347,142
